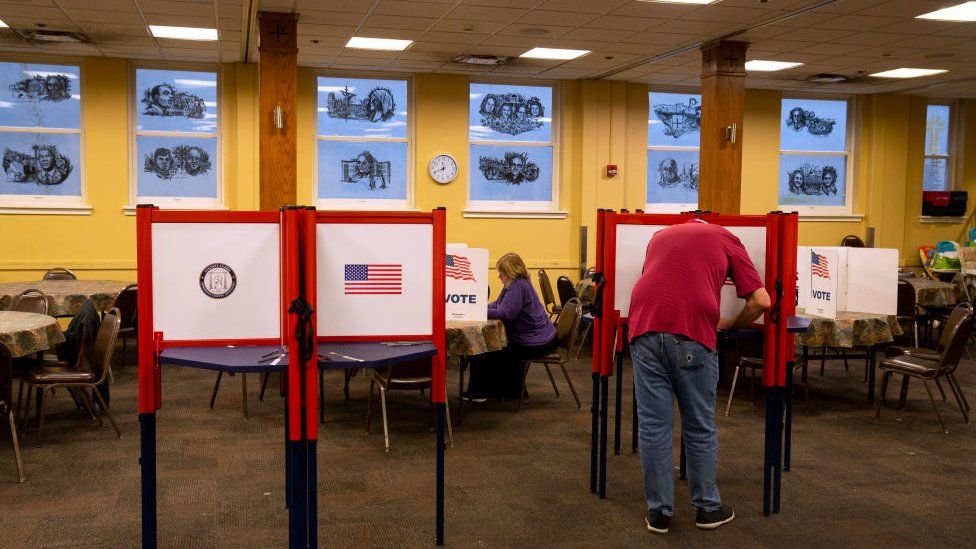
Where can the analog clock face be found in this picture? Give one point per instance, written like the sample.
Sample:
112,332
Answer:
443,168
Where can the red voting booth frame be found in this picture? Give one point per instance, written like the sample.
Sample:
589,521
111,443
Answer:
610,332
298,281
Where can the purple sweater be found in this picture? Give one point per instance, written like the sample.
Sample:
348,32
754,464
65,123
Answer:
526,320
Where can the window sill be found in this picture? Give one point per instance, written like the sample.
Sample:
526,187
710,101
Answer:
131,209
515,214
38,208
832,218
941,219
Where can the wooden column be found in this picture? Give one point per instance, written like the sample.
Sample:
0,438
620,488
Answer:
723,94
278,74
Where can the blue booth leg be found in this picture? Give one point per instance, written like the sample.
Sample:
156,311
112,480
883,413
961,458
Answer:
604,412
439,523
595,432
147,461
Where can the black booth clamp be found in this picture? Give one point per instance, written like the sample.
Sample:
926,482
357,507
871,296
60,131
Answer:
599,280
303,329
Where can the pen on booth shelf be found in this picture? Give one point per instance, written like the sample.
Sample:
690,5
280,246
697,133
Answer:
346,357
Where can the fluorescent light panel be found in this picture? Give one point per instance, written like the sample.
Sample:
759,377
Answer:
758,65
554,53
183,33
908,73
386,44
963,12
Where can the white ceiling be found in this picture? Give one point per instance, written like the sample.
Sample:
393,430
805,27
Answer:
630,40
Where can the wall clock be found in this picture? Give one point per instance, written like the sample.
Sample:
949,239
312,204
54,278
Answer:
443,168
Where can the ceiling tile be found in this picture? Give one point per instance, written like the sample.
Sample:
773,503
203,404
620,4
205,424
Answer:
399,22
486,13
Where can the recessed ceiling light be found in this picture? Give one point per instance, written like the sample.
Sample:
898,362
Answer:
680,1
386,44
3,25
963,12
554,53
758,65
183,33
907,73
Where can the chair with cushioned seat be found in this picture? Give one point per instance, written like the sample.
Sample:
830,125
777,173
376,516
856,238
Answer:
6,406
126,303
927,367
566,289
548,298
567,327
79,375
30,301
755,364
414,375
59,273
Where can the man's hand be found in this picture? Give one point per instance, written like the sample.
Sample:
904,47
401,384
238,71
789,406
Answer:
756,304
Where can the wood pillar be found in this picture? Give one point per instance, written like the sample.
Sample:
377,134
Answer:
278,74
723,94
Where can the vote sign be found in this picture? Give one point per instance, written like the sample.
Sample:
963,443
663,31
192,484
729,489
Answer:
466,272
822,300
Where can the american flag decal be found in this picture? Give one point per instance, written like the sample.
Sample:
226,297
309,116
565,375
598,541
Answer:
374,279
458,267
819,265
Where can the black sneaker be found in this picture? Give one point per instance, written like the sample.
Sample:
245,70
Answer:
710,520
657,522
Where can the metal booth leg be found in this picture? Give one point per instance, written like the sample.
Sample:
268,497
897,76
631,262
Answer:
147,462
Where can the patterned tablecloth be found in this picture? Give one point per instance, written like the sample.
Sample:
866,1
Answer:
466,338
65,297
932,293
848,330
27,333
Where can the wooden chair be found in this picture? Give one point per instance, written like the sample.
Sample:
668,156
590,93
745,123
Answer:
907,311
548,299
79,376
927,368
59,273
126,303
30,301
567,326
6,406
409,376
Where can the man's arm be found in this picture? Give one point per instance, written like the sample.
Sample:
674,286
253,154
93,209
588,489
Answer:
757,303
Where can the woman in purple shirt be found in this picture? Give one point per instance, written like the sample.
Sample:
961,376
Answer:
530,335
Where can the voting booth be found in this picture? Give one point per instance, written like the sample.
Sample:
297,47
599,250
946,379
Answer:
622,240
227,285
466,292
835,278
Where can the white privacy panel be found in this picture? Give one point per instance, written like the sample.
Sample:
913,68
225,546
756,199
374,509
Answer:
216,280
867,279
632,247
374,279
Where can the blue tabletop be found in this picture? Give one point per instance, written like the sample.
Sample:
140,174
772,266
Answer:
794,325
331,355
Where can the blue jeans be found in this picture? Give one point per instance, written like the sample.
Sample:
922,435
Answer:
666,367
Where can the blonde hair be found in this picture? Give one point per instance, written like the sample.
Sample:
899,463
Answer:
512,266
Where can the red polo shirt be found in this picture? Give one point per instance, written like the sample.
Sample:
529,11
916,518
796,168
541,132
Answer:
679,289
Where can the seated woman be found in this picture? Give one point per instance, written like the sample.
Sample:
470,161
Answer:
530,334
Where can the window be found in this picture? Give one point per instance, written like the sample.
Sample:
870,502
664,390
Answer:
176,160
40,134
511,149
362,141
936,170
813,159
673,135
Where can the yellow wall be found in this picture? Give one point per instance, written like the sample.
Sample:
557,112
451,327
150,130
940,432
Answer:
600,123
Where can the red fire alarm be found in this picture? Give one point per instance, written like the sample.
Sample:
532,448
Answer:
611,170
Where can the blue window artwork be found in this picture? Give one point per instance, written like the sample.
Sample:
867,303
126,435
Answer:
673,138
46,163
510,136
813,153
363,140
511,173
935,166
177,136
176,101
176,166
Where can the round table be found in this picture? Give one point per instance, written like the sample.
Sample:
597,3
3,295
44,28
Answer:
471,337
27,333
65,297
933,293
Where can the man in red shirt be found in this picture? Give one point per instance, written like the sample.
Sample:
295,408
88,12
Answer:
674,314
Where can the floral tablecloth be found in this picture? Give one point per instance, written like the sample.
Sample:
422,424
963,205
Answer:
65,297
932,293
27,333
467,338
848,330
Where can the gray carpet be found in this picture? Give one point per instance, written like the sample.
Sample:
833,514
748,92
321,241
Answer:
514,479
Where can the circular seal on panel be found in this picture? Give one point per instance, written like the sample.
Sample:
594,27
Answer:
218,280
